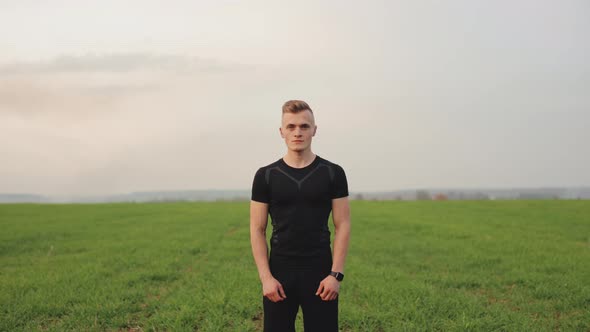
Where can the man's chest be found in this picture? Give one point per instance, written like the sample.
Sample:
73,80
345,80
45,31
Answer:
312,189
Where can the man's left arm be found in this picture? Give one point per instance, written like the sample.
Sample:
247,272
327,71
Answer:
329,287
341,218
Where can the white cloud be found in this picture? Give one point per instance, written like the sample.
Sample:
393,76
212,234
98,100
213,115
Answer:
118,63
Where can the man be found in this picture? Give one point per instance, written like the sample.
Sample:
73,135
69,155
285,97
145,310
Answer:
299,191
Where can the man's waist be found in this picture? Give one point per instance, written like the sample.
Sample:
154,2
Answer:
316,259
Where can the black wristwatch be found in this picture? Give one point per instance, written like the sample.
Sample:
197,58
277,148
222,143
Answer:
339,276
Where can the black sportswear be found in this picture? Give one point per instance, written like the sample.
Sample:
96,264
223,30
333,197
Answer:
300,202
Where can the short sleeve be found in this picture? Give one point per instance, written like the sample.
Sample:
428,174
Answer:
340,184
260,188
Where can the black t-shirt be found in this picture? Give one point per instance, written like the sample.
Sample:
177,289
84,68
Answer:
299,202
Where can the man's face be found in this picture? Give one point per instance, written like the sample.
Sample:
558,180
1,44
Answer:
297,129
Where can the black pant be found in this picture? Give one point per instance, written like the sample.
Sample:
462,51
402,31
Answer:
300,282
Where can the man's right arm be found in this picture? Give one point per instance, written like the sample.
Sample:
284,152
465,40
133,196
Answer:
271,287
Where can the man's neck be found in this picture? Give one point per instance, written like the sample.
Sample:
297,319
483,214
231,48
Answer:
299,159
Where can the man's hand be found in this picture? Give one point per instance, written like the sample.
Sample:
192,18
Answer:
329,288
273,290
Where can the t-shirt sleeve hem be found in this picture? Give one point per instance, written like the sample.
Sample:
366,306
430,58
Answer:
259,200
340,196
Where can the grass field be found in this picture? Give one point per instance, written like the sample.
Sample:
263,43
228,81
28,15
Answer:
412,266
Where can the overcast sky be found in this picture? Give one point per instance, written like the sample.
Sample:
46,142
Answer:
110,97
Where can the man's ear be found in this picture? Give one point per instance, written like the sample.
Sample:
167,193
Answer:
315,129
281,131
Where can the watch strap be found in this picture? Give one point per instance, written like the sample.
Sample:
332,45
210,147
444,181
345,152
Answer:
338,275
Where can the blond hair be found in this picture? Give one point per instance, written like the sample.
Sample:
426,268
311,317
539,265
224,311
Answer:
296,106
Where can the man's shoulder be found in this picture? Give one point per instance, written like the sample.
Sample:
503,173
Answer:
264,170
328,163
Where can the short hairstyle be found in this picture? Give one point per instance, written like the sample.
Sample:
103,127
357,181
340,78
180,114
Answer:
296,106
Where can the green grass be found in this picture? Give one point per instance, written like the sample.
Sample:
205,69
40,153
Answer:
412,266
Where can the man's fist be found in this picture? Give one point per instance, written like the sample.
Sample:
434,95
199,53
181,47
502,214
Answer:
273,290
328,289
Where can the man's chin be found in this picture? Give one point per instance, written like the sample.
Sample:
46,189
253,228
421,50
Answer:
297,148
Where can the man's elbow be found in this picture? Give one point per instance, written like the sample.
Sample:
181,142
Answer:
257,230
342,224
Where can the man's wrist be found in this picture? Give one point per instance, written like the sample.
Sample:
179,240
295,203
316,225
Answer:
266,277
338,275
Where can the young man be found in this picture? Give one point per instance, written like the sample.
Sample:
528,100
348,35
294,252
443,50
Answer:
299,191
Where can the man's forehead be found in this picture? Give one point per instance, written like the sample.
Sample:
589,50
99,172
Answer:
298,118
